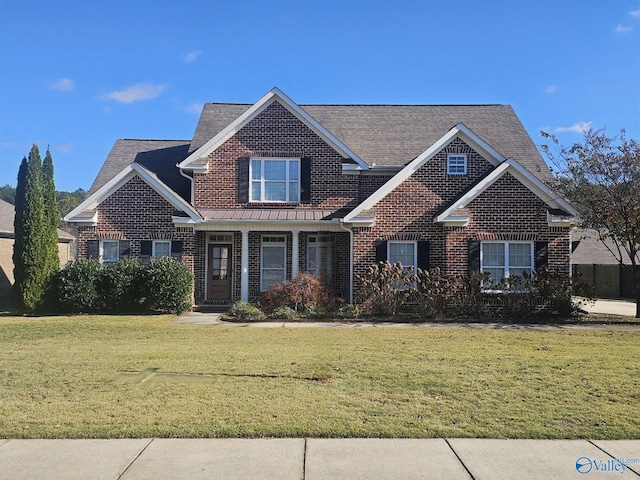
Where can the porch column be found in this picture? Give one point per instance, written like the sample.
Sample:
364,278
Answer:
244,264
294,253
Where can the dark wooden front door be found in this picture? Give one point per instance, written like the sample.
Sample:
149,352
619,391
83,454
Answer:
219,272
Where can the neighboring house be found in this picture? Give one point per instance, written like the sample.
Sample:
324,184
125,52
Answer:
266,190
594,263
7,236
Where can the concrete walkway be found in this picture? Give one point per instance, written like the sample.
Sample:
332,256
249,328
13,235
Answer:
314,459
215,319
612,307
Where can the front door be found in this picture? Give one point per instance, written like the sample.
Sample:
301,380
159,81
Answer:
219,272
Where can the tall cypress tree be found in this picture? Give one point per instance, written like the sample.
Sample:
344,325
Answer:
29,290
51,219
18,228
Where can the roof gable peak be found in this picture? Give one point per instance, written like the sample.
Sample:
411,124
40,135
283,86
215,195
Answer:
198,160
458,131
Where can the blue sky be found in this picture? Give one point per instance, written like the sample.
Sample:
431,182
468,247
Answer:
79,74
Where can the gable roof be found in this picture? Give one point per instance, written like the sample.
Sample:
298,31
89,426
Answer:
7,217
157,156
198,158
85,212
562,209
363,212
394,135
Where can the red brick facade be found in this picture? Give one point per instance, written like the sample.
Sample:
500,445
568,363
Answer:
505,211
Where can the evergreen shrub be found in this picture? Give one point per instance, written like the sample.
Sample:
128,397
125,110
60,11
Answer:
77,286
244,311
168,286
126,286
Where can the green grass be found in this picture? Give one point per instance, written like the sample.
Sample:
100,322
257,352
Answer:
56,381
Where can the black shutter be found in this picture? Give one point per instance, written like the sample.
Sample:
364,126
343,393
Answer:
423,255
305,180
93,248
124,248
176,249
146,248
243,180
474,256
541,255
381,251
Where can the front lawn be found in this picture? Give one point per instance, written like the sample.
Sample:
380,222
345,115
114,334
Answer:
57,380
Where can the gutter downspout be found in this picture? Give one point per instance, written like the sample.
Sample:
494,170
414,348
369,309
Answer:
190,179
350,231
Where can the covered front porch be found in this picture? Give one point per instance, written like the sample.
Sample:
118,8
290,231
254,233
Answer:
242,253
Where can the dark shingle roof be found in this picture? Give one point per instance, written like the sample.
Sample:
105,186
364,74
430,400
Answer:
157,156
589,250
7,216
396,134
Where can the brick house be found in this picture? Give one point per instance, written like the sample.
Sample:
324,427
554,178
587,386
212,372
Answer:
266,190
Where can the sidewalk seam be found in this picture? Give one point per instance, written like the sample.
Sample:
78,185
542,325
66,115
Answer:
607,453
135,459
304,461
459,459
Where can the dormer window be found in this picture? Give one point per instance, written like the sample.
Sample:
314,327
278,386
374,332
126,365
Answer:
456,164
275,179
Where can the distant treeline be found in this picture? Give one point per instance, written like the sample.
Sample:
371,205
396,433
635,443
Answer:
67,201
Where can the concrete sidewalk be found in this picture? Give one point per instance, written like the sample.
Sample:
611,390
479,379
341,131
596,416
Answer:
314,459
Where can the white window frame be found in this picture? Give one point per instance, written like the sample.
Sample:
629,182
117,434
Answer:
507,267
454,162
272,241
154,252
414,266
102,259
263,182
319,241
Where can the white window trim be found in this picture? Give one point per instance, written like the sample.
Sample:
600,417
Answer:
506,265
415,251
264,243
414,267
153,248
450,157
262,180
117,242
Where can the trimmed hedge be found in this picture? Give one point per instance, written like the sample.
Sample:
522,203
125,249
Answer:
126,286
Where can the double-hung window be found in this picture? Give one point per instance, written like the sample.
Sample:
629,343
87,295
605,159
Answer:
109,251
161,248
275,180
457,164
273,262
506,259
404,253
